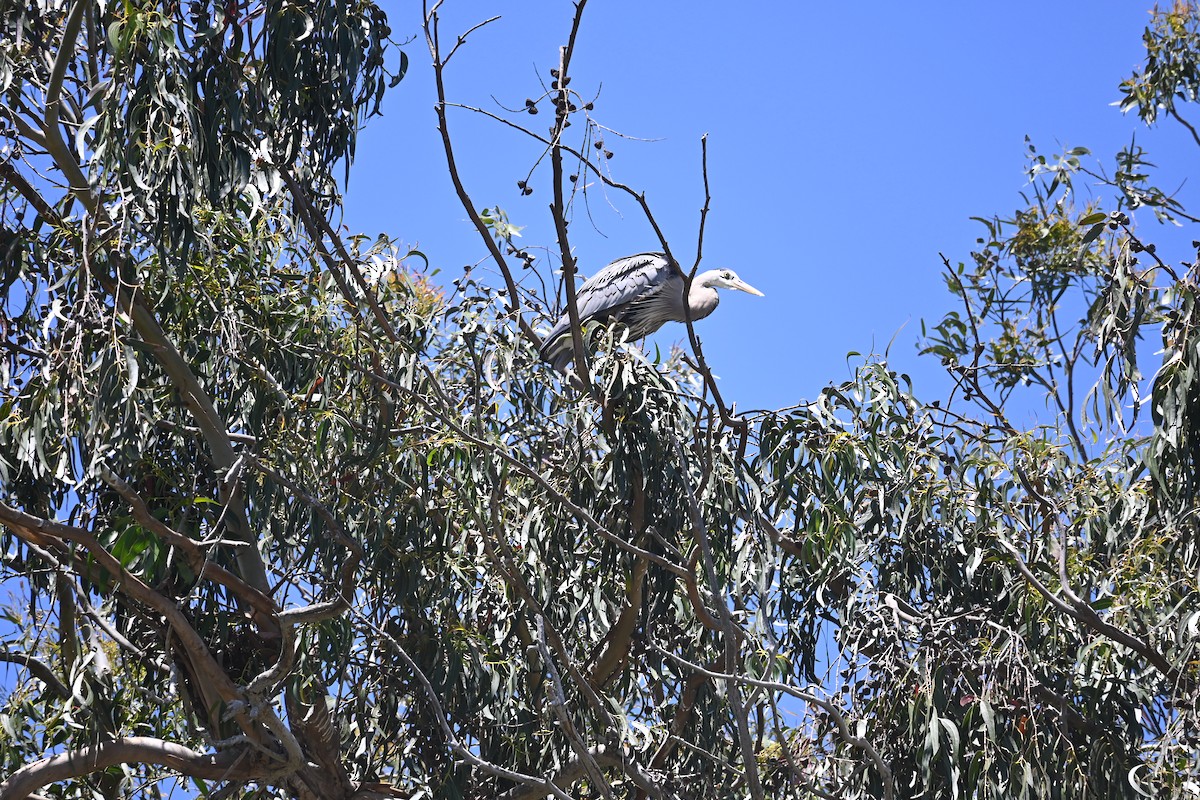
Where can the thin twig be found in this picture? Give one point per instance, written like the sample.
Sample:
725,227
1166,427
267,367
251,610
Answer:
513,296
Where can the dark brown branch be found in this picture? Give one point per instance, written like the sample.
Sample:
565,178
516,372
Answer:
1185,123
558,207
692,585
39,670
736,423
462,37
10,175
682,718
614,649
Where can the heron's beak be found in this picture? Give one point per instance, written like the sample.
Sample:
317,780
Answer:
740,284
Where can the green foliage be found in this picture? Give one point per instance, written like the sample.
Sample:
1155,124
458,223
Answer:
278,506
1171,75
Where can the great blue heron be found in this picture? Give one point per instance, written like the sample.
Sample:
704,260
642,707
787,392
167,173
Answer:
642,293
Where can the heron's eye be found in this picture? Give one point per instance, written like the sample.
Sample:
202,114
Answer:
727,275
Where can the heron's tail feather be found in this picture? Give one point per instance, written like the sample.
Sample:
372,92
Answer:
558,350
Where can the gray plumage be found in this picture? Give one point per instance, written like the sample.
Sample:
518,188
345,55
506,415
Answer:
641,292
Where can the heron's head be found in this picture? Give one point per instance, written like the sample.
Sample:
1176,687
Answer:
726,279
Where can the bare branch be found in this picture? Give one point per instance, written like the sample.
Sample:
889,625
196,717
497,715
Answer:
439,65
10,175
737,423
462,37
562,113
1191,129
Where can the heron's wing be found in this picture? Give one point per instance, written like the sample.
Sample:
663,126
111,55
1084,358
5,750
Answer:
610,290
621,282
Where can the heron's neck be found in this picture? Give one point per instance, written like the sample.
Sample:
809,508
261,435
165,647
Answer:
702,299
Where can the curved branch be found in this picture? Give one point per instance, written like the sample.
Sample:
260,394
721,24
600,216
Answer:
613,650
1184,123
225,765
1083,613
39,670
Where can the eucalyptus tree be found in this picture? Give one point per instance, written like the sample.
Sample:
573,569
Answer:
287,520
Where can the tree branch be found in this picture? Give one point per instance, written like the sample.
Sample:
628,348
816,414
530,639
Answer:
731,633
221,766
196,558
1184,123
562,111
39,670
439,65
40,532
736,423
616,643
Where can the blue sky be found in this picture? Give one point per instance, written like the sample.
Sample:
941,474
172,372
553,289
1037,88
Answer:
849,144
